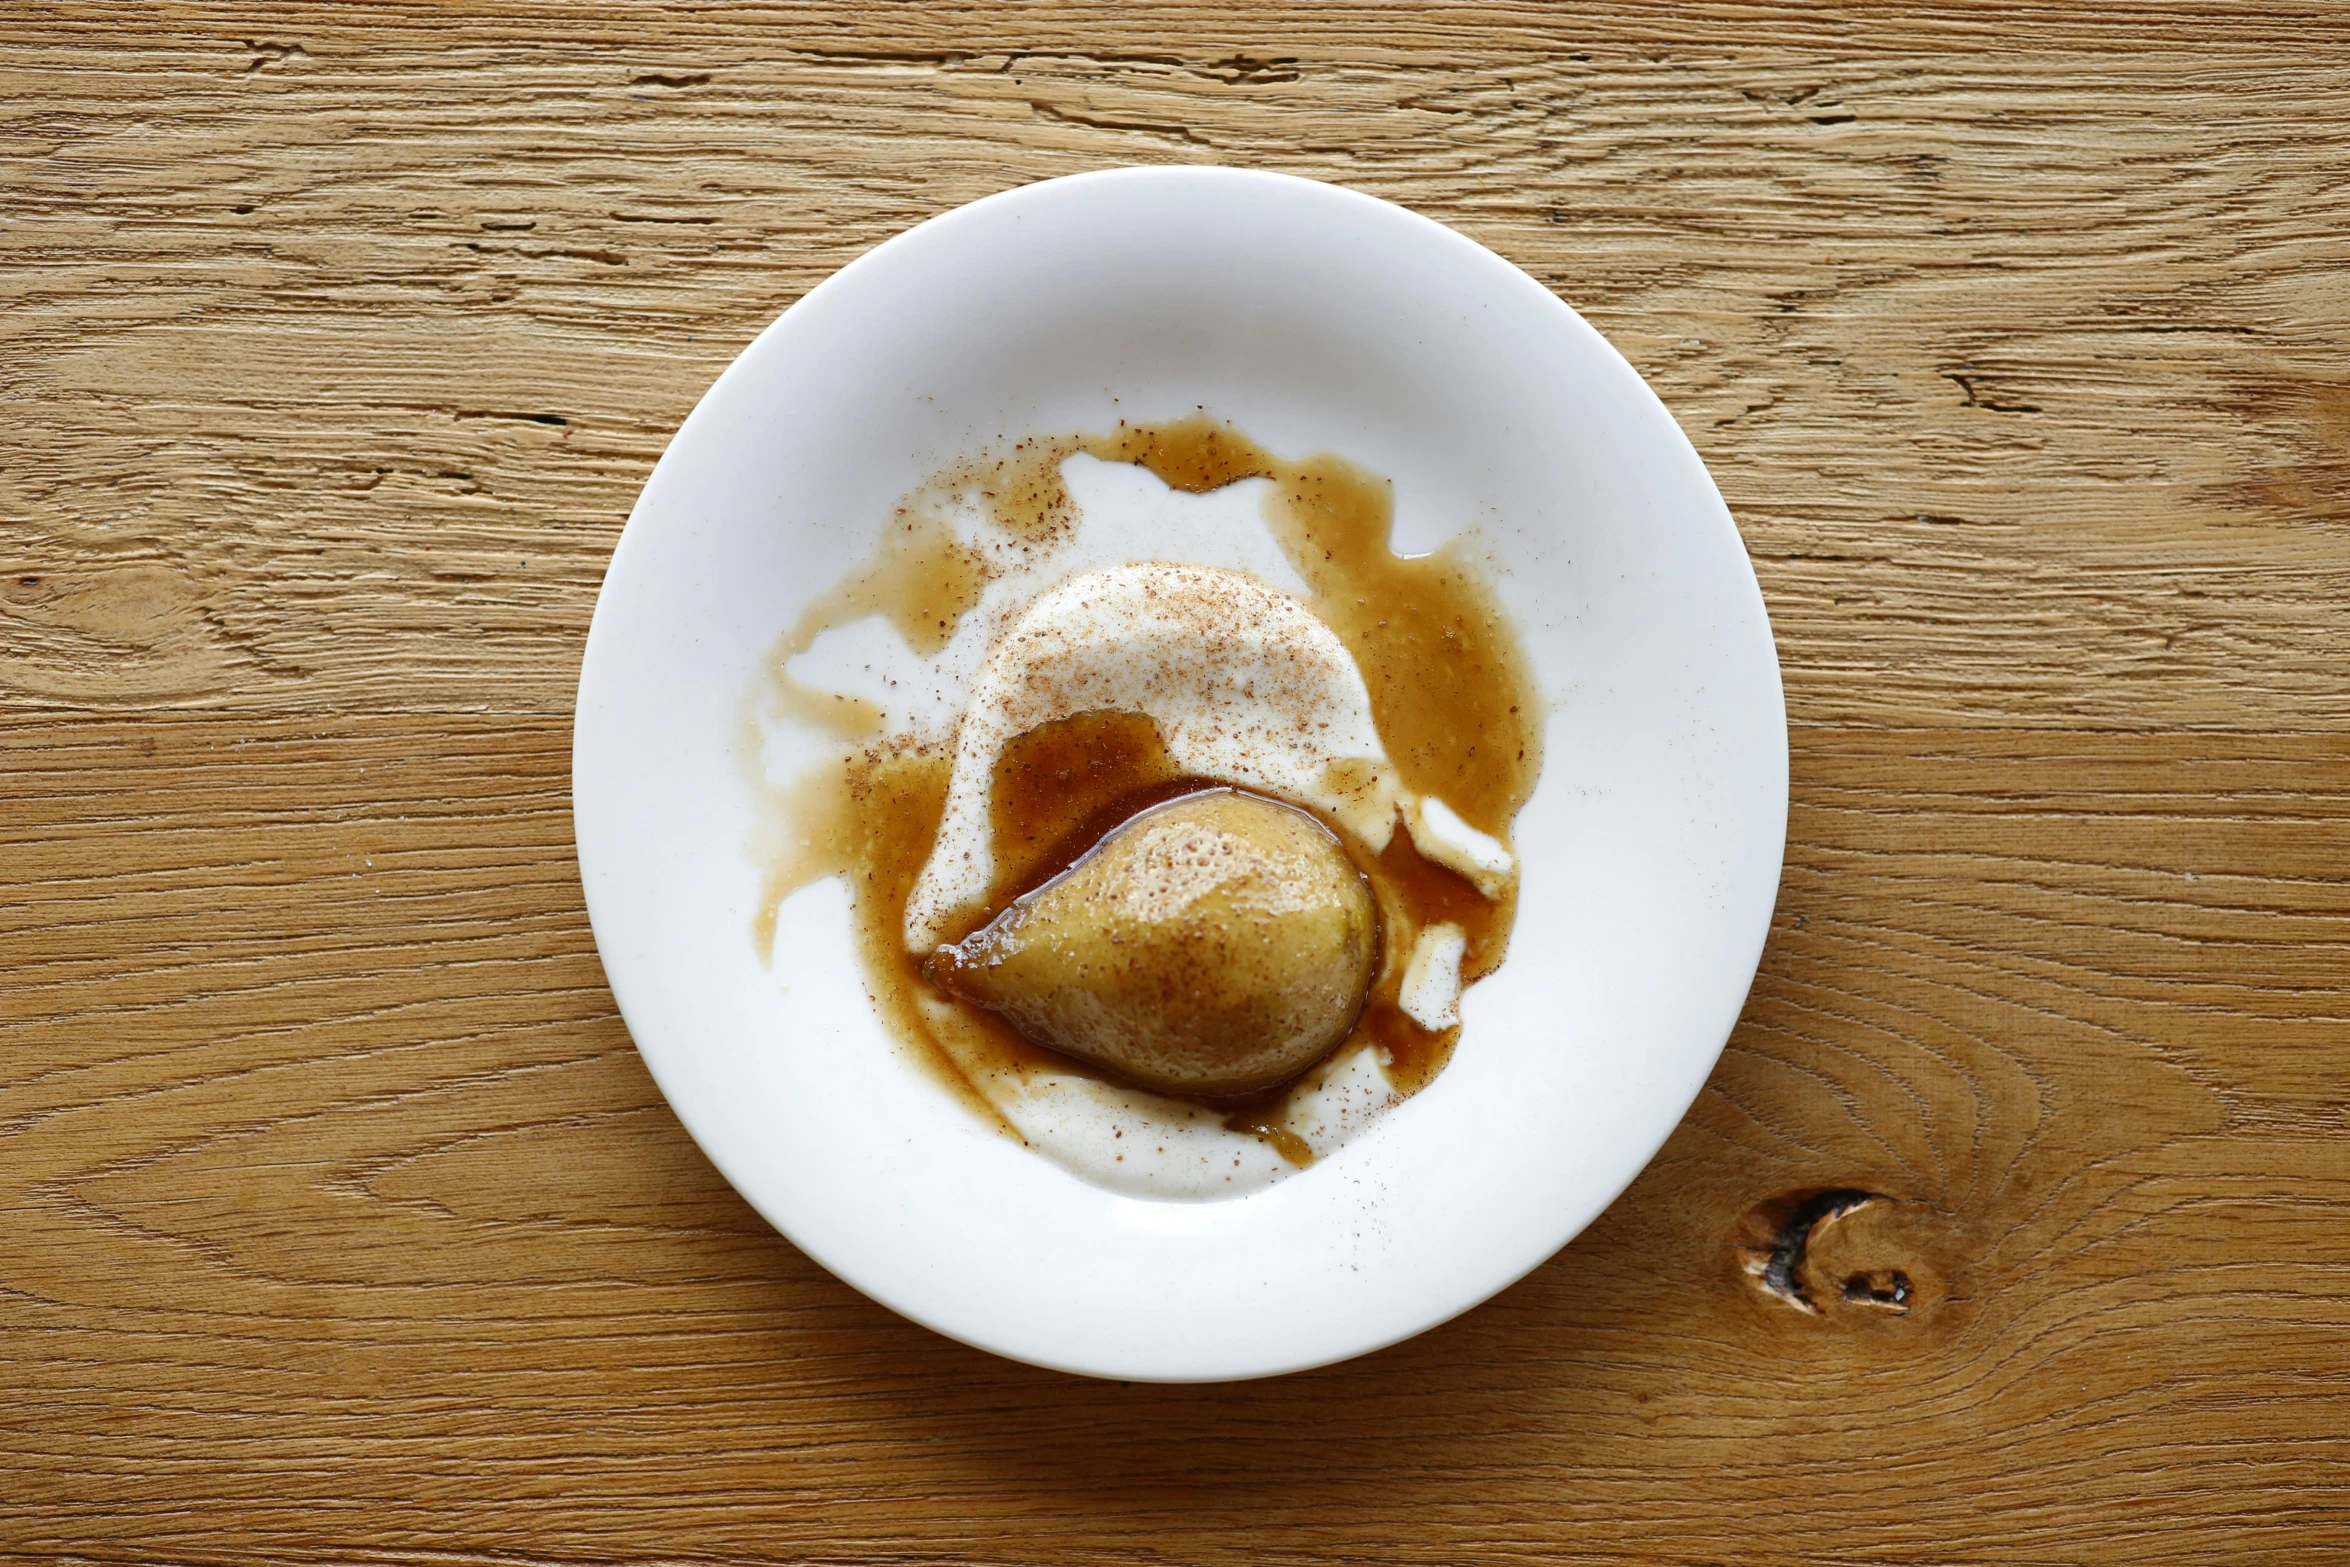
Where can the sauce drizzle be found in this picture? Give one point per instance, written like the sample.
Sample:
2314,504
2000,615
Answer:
1450,689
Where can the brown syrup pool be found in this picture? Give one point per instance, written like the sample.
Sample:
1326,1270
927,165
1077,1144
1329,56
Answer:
1450,692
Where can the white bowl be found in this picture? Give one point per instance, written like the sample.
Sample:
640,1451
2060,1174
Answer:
1315,319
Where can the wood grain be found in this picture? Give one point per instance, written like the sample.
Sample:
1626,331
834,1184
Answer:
339,1220
334,362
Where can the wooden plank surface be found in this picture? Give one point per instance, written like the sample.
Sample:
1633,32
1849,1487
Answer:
338,1219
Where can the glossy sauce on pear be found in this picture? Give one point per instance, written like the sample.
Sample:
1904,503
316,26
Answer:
1212,946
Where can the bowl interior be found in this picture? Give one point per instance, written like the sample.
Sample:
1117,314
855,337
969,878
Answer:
1315,319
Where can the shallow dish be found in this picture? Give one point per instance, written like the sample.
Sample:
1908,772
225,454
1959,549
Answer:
1314,319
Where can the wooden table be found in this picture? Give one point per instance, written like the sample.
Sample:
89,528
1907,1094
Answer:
339,1220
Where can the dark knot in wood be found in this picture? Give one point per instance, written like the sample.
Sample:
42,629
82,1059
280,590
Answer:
1777,1243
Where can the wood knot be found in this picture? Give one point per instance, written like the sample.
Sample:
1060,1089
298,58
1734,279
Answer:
1846,1253
111,631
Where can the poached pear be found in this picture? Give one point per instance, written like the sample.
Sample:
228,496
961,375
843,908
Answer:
1212,946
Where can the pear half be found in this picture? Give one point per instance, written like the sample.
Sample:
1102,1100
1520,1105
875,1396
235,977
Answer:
1212,946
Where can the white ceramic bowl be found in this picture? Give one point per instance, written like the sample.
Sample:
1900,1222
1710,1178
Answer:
1315,319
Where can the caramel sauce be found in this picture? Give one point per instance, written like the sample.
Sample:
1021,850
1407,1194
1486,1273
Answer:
1450,691
922,579
876,815
1472,737
1023,488
1061,787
